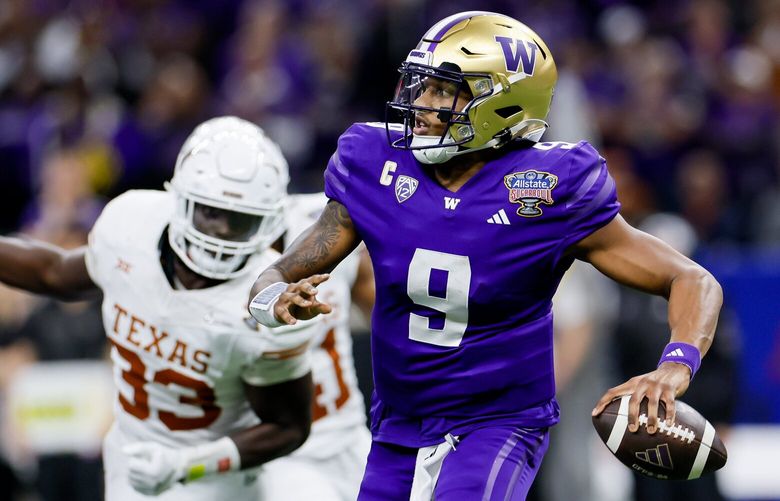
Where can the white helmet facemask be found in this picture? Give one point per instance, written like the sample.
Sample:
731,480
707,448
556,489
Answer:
436,150
432,150
230,166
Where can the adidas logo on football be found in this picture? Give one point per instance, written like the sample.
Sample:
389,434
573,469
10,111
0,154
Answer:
499,218
657,456
676,353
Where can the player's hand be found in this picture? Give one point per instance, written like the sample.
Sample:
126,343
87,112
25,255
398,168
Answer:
664,384
153,468
299,301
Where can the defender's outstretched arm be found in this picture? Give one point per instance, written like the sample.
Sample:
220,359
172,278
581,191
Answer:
45,269
302,267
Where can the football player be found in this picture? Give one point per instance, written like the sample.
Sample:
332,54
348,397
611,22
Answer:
470,222
204,394
329,465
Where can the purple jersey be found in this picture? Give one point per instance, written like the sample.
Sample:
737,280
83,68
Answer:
462,326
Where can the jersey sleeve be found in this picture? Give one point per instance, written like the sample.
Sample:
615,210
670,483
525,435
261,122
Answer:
340,170
98,247
286,355
591,200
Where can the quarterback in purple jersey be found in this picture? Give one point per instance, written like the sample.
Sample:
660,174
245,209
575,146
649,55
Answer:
471,222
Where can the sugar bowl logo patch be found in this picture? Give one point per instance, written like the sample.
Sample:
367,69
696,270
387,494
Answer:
530,188
405,187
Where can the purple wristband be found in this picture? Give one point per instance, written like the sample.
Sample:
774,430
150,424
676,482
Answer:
682,353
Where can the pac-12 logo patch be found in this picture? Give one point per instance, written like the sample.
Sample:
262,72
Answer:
530,188
405,187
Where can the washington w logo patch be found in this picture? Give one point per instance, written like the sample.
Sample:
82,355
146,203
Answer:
405,187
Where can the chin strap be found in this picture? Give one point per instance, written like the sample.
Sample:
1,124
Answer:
447,151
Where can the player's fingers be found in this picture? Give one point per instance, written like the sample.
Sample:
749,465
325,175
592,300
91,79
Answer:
633,409
140,468
318,279
671,411
305,290
139,449
605,399
300,301
323,308
312,311
282,312
142,485
608,397
601,405
308,286
652,413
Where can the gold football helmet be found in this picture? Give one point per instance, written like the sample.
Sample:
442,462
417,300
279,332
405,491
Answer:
504,68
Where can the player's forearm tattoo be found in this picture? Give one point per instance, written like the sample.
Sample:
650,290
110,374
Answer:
313,253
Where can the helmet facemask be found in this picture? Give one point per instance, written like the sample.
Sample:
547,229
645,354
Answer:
415,78
504,66
218,257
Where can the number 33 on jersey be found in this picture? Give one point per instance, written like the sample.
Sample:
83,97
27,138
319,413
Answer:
180,356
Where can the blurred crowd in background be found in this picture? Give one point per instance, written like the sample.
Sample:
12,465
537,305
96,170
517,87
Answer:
682,95
96,97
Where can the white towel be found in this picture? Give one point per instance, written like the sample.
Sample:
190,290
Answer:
428,466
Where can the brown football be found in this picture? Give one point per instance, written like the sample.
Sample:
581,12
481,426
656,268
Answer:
684,451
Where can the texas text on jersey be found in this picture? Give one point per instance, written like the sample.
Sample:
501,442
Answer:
180,356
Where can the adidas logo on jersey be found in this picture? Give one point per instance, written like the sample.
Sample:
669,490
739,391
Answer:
499,218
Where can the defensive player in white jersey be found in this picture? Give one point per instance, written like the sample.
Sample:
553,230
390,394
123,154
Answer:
204,395
330,465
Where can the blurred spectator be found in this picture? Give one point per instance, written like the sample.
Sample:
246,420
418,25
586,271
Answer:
65,198
271,79
765,223
148,140
706,198
637,199
128,79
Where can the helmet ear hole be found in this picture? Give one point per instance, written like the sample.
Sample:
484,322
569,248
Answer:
509,111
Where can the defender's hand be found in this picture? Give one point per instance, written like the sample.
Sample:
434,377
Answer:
664,384
299,301
153,468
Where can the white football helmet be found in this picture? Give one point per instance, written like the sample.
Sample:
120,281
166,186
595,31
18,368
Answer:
230,164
